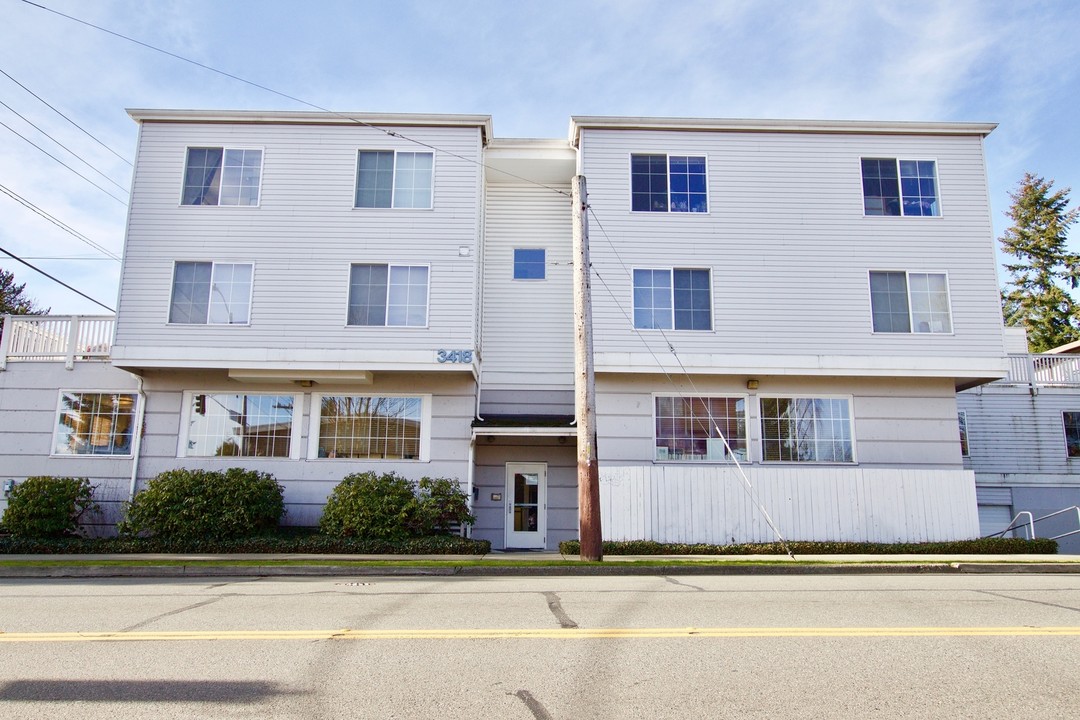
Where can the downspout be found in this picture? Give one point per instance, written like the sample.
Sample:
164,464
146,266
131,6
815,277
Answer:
136,443
469,481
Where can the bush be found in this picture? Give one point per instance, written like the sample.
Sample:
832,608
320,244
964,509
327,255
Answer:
48,507
188,505
370,506
442,506
980,546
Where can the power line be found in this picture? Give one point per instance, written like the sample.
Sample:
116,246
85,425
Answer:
63,226
122,202
80,127
57,280
73,153
279,93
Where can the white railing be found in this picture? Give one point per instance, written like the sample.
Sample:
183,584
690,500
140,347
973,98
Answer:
1043,370
56,338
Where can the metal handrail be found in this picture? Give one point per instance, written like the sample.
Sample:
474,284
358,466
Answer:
1062,512
1012,526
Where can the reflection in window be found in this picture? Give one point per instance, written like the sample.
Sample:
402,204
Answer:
1072,433
385,179
668,183
94,424
370,427
529,264
222,176
903,302
390,295
962,419
666,298
526,502
904,187
222,425
806,430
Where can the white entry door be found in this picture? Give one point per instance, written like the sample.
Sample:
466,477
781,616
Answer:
526,505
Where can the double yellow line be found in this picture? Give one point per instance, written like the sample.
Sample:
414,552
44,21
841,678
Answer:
538,634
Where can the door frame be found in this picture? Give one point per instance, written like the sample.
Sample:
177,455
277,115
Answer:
526,540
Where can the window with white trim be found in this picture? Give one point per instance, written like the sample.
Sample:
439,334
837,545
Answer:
94,423
211,293
388,295
899,187
370,427
530,263
668,183
909,302
393,179
961,418
1071,421
694,428
806,429
672,298
222,176
247,425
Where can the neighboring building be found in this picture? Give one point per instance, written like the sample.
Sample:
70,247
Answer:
1021,436
314,294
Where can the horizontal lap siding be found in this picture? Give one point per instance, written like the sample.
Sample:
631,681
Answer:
302,238
788,245
717,505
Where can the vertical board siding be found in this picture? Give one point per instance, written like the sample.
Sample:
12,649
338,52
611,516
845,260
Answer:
713,505
789,246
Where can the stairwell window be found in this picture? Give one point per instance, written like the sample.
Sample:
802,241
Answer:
668,183
222,176
961,417
394,179
672,298
806,429
388,295
94,423
211,293
900,187
694,428
909,302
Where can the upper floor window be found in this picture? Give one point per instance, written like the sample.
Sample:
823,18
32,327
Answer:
92,423
388,295
222,176
694,428
1071,420
226,425
899,187
529,263
679,298
961,417
668,183
210,293
903,302
369,427
806,429
393,179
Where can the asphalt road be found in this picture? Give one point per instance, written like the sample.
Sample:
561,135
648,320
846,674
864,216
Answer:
907,646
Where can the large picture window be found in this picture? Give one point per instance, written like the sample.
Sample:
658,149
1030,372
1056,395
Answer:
393,179
226,425
92,423
903,302
205,293
668,183
805,429
899,187
677,298
390,295
694,428
370,427
222,176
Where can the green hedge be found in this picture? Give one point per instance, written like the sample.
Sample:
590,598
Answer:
981,546
48,507
391,507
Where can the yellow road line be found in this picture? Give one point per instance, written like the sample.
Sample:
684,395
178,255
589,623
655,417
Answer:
539,634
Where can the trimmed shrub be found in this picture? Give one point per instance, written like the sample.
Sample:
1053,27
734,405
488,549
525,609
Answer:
367,505
980,546
442,506
48,507
190,505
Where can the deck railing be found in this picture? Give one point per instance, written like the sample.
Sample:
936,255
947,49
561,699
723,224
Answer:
1037,370
56,338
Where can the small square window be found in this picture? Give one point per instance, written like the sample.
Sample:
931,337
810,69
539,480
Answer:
529,263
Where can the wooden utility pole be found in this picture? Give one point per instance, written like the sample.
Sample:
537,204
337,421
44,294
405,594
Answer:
592,547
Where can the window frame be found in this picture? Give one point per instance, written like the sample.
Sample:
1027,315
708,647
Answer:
725,458
389,266
315,425
911,318
1065,433
224,149
667,167
798,396
671,274
514,264
133,430
213,264
900,188
965,438
183,435
393,180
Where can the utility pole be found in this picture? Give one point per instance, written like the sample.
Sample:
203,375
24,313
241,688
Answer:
588,470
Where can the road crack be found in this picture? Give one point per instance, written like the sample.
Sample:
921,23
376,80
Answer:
162,616
535,706
1020,599
673,581
556,608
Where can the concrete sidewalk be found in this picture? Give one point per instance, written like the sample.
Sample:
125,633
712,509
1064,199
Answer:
516,564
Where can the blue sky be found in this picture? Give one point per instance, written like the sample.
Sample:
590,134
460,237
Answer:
531,65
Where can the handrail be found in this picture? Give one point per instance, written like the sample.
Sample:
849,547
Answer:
58,338
1030,526
1062,512
1012,526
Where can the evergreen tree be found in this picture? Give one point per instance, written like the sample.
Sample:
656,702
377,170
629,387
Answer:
12,299
1043,270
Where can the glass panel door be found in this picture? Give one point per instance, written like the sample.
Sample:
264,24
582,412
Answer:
526,505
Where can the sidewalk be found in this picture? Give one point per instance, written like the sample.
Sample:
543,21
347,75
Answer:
516,564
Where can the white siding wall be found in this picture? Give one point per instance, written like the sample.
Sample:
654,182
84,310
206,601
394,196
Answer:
301,238
712,505
528,325
789,247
